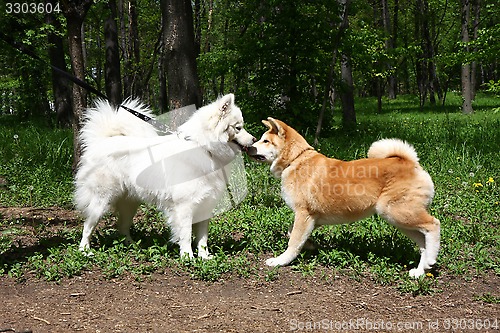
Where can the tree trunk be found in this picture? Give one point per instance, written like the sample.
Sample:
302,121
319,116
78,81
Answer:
208,37
344,23
477,11
380,94
347,93
425,68
124,41
162,78
75,12
223,75
346,83
198,17
60,85
154,64
393,80
389,46
99,66
112,66
326,94
178,33
428,68
134,50
466,67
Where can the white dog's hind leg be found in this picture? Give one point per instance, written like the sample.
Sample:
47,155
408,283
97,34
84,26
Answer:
93,212
88,229
201,238
126,210
302,229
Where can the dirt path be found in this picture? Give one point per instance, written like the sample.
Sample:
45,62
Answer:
170,303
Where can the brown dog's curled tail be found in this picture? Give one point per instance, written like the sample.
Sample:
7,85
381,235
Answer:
393,148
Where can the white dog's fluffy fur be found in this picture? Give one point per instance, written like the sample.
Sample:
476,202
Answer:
125,162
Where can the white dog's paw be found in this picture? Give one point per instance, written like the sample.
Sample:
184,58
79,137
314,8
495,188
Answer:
205,255
84,248
416,272
86,252
187,255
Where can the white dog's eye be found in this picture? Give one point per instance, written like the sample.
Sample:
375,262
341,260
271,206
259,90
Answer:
239,128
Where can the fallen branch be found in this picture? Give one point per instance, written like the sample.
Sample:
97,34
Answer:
41,319
266,309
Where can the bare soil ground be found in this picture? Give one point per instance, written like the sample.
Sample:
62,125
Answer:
172,302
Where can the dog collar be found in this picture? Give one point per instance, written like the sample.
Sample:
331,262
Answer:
296,157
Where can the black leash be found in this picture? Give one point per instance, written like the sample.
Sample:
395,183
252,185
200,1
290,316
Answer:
25,50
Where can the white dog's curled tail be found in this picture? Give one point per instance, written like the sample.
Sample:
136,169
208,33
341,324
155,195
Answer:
393,148
103,120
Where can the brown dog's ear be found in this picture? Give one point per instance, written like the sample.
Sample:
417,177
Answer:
268,124
275,126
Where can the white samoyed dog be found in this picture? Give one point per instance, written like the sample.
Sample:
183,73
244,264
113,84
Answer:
125,162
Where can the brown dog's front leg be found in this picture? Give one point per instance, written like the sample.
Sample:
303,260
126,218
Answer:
303,226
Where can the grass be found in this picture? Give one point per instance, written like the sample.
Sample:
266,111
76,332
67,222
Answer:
36,162
461,153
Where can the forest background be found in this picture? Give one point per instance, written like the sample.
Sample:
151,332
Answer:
293,60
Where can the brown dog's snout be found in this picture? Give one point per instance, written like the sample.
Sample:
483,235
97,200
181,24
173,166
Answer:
251,151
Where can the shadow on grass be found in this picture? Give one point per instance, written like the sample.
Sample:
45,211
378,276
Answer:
340,246
19,253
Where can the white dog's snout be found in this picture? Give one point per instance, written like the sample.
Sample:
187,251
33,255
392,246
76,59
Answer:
247,139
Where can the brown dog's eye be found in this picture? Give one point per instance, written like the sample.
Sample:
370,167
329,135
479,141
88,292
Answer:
265,141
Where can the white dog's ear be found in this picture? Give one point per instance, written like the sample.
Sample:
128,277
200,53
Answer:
225,104
275,126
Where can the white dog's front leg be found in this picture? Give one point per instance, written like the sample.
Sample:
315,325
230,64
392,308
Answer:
201,239
185,245
182,227
302,229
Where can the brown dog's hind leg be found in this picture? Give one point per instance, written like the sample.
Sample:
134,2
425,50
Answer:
416,223
427,238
